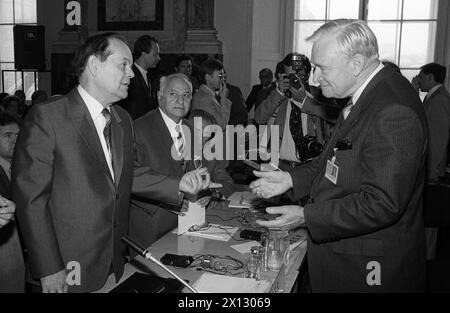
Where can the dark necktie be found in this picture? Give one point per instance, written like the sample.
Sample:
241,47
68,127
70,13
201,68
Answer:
295,125
217,96
107,129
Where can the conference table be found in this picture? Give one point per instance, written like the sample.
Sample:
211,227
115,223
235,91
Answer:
283,280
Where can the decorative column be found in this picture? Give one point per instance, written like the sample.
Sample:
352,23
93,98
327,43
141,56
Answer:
201,36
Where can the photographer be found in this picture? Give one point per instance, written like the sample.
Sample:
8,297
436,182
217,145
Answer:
292,106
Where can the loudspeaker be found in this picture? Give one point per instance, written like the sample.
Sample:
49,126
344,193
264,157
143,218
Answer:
29,47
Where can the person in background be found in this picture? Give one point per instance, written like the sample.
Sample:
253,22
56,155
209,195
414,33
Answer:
184,64
259,92
12,265
212,96
146,56
364,214
12,104
162,145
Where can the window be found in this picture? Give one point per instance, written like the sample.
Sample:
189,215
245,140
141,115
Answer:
405,29
15,12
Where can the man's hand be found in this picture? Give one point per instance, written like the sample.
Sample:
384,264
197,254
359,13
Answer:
223,91
55,283
271,183
7,209
194,181
298,94
284,83
203,202
291,217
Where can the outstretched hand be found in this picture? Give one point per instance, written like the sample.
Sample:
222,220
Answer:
271,184
291,217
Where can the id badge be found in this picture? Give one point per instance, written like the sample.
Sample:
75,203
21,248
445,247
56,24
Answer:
332,171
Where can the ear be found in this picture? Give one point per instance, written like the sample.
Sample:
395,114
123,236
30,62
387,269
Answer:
92,65
357,64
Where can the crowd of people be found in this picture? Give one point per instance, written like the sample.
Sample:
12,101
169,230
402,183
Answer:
110,158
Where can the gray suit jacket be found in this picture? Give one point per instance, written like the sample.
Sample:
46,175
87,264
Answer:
68,206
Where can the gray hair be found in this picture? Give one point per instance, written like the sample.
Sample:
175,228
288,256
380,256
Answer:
164,80
352,36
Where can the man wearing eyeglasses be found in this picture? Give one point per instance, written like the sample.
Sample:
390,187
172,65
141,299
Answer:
212,96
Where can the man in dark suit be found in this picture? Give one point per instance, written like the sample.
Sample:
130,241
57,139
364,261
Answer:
238,111
364,215
162,144
146,56
437,108
73,173
12,267
266,79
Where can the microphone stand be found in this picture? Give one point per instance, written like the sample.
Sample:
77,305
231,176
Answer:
139,249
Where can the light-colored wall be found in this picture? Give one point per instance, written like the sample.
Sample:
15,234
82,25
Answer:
233,21
254,34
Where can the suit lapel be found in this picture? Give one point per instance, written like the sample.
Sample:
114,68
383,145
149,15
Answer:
117,144
82,119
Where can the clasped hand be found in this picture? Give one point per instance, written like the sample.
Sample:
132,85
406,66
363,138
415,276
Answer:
292,216
7,209
271,184
194,181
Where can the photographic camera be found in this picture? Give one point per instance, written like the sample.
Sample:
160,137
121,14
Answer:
308,148
296,79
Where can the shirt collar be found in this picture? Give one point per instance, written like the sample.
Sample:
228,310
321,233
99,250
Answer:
171,124
360,90
208,90
94,107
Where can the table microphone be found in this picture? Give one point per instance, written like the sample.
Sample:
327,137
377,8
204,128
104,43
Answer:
141,251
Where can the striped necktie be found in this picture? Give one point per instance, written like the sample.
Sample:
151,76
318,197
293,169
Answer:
179,140
107,130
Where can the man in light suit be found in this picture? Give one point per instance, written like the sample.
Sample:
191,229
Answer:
212,96
158,133
12,267
73,173
364,215
437,108
146,56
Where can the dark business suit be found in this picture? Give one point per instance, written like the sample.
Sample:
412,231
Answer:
12,267
437,109
148,220
252,97
238,112
374,212
139,100
68,206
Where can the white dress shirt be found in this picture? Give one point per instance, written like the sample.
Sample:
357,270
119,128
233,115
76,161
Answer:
95,110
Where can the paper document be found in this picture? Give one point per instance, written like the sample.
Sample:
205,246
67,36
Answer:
194,216
245,247
214,283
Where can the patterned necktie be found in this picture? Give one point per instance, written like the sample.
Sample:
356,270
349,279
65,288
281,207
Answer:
295,126
107,130
347,108
179,140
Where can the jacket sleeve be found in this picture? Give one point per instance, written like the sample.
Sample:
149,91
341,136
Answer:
268,107
32,176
